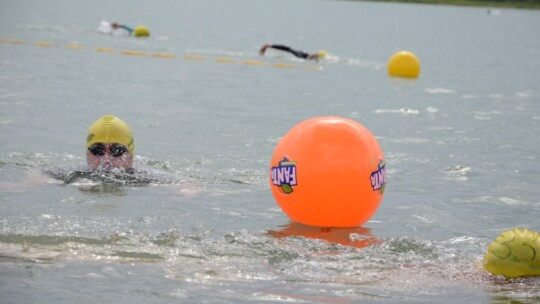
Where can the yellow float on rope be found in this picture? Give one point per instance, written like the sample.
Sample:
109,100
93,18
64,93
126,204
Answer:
104,49
132,53
284,65
73,46
225,60
163,55
10,40
43,44
193,57
514,253
313,67
253,62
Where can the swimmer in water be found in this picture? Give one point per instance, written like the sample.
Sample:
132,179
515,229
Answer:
110,154
115,26
110,150
299,54
109,145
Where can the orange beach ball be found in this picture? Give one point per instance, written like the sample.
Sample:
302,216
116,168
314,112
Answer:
328,172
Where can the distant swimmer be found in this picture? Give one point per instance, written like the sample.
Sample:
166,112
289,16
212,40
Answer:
117,29
115,26
300,54
109,145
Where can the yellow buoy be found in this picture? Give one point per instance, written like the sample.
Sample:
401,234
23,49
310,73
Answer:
404,64
514,253
141,31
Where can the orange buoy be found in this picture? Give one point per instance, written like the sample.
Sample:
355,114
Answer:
328,172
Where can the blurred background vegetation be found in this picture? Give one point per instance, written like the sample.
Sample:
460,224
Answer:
534,4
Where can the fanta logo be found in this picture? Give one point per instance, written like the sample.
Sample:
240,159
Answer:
378,178
284,175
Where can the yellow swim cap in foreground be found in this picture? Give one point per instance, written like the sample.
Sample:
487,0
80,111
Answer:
141,31
110,129
514,253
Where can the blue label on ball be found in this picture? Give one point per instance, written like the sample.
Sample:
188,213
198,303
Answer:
378,177
284,175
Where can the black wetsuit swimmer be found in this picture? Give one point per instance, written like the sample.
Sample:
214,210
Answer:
299,54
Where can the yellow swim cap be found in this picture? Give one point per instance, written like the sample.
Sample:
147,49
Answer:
321,54
110,129
141,31
514,253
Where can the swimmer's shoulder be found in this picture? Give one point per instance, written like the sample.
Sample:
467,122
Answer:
129,177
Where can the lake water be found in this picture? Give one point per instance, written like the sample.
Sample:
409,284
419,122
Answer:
461,145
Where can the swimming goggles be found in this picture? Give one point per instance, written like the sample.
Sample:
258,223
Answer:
99,149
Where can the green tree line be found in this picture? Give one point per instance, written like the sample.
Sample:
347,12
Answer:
535,4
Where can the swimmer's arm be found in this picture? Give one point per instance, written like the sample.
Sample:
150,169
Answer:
33,179
127,28
297,53
186,190
282,48
277,47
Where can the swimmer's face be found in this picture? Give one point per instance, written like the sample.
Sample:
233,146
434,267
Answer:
108,156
